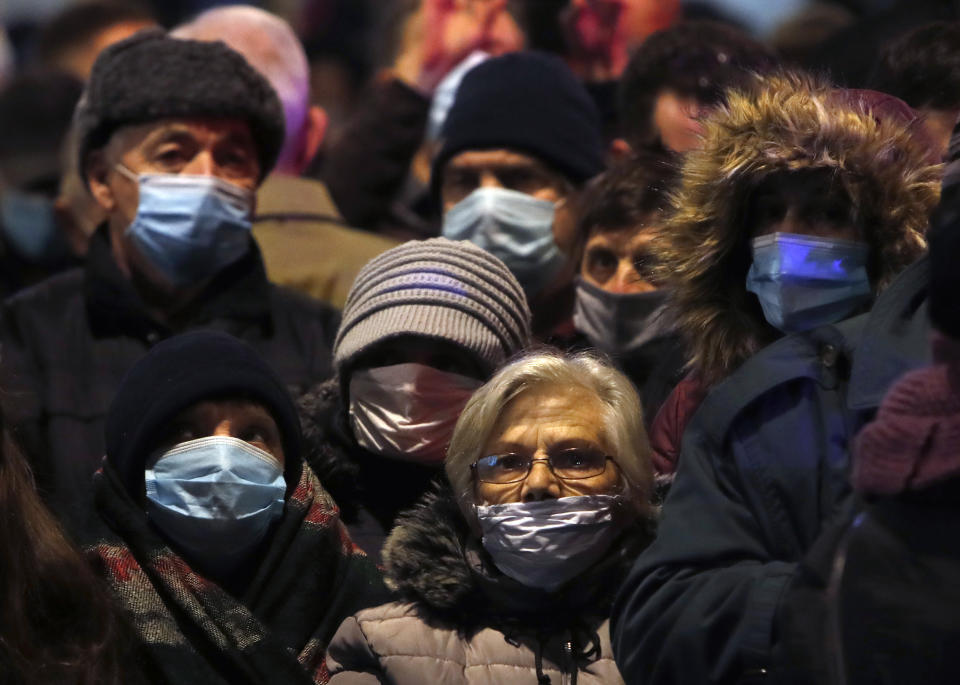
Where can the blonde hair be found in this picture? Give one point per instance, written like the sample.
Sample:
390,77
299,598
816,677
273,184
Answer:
623,419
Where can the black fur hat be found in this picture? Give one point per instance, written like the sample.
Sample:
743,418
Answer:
152,76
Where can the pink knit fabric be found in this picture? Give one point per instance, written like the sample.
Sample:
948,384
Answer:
914,441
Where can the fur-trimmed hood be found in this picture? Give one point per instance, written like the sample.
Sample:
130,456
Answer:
432,560
789,122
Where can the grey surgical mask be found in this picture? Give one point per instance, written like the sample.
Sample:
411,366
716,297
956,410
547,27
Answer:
617,323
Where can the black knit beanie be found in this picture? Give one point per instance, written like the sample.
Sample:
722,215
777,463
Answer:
526,102
152,76
178,373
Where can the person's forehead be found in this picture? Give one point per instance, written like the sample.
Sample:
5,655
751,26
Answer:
624,237
201,128
219,407
497,158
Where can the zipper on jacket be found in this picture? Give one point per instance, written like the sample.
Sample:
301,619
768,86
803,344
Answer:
568,662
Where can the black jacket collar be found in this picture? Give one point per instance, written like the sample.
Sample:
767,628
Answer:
114,308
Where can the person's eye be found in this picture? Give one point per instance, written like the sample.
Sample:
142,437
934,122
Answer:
578,460
644,265
601,264
509,462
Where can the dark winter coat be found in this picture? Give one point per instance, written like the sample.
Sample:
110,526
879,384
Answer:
462,621
369,489
67,343
764,470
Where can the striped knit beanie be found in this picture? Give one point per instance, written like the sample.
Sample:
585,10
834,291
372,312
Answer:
437,288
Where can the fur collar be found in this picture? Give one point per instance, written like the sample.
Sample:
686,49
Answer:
432,560
789,122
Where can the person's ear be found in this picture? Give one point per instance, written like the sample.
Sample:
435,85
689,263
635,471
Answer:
619,150
314,131
97,171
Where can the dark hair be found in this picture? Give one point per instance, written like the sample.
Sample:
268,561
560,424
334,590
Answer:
59,625
922,67
79,24
699,59
627,194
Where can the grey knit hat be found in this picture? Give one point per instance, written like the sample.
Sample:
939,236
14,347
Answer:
437,288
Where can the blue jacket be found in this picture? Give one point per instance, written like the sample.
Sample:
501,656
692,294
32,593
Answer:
763,469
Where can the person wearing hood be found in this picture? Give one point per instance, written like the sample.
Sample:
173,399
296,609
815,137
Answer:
425,324
620,307
226,555
173,137
764,470
507,573
806,233
518,144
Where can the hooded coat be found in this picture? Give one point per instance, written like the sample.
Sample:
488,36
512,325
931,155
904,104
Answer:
764,469
462,621
874,147
871,143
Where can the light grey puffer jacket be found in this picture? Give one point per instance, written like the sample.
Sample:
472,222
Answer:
460,621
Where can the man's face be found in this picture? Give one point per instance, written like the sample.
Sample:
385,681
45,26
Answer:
619,261
473,169
203,146
803,203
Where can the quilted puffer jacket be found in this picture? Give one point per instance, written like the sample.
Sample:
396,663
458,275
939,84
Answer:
461,621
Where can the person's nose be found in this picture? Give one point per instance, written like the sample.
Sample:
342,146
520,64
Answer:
541,483
202,164
488,179
223,429
626,280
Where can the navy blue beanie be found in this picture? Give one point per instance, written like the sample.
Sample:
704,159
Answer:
525,102
178,373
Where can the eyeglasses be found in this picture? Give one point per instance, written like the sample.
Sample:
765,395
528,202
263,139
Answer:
570,464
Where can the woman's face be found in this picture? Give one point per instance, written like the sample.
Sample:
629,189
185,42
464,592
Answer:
544,421
242,419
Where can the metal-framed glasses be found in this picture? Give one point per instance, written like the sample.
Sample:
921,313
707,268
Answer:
569,464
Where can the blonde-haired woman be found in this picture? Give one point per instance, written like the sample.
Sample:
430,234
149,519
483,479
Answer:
508,576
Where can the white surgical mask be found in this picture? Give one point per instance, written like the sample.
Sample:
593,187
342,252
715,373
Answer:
407,411
618,322
516,227
548,543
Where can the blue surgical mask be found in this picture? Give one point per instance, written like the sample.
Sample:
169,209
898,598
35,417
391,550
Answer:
515,227
215,499
190,227
805,282
30,227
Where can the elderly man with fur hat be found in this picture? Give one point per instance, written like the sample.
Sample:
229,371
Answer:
174,138
805,208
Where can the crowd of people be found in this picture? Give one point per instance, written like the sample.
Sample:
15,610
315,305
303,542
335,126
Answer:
590,341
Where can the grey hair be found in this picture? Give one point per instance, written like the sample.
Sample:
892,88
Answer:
623,419
271,47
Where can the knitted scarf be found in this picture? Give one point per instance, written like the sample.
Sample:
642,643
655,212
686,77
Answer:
310,578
